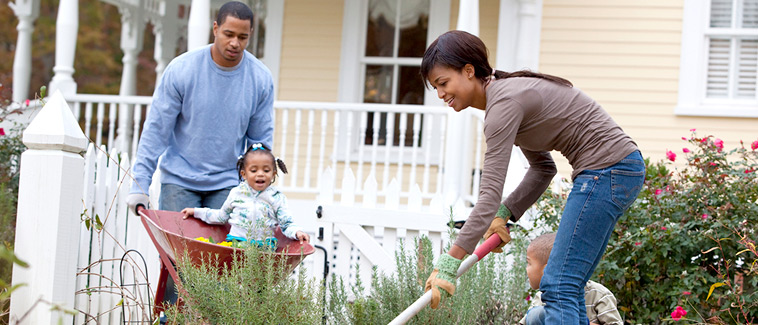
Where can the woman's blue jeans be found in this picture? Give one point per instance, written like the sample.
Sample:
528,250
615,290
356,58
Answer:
598,198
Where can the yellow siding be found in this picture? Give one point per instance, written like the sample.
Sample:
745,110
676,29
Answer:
311,41
625,54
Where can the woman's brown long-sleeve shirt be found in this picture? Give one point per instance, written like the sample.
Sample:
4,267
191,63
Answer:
538,115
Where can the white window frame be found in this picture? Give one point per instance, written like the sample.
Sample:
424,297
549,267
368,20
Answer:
352,74
272,52
694,67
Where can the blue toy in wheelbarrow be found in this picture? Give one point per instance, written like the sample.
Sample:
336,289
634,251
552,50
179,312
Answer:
172,235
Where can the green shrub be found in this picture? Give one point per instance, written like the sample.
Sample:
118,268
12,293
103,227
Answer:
688,240
492,292
256,289
11,148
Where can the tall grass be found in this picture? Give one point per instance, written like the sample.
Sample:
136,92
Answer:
494,291
257,289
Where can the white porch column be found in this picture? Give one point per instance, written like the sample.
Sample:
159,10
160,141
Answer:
66,28
166,32
27,12
198,28
530,24
457,129
48,220
132,37
518,35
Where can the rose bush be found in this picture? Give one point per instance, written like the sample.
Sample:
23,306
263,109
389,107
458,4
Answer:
688,240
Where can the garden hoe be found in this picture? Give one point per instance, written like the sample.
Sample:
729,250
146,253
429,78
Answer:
426,299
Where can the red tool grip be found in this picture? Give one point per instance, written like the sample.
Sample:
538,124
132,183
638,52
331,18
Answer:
487,246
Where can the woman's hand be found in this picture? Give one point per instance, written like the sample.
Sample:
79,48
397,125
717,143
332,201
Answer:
302,237
188,212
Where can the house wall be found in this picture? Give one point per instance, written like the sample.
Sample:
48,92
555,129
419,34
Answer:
625,54
311,41
310,63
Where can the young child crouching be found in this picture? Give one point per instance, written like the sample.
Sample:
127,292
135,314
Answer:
600,302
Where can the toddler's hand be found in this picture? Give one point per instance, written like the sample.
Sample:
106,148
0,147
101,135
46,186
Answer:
188,212
302,237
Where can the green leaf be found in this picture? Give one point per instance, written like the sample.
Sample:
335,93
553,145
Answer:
98,223
7,294
8,255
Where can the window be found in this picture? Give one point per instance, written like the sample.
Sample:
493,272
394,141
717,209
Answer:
396,37
719,63
382,46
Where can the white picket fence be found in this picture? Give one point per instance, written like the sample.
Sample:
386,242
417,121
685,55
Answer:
396,195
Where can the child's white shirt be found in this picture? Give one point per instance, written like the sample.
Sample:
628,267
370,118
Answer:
252,214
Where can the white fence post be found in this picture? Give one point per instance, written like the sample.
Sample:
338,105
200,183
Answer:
47,225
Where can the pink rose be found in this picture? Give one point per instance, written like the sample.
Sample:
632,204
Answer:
670,155
2,132
703,140
663,228
754,145
658,191
683,138
693,130
704,216
749,170
528,298
27,102
719,144
686,293
678,313
712,163
637,244
685,150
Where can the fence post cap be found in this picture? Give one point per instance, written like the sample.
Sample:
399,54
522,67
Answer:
55,127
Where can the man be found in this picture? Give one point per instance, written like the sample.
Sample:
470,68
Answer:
208,106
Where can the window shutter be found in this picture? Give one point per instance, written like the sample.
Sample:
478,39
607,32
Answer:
718,68
750,14
746,68
721,13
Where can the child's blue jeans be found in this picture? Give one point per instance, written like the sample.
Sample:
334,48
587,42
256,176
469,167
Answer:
598,198
536,316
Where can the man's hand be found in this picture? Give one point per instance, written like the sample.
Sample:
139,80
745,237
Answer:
443,277
136,199
499,227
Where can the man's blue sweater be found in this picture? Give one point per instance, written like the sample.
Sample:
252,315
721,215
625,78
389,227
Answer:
201,119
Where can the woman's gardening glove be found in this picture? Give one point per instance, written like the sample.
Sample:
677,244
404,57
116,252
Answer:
443,277
499,226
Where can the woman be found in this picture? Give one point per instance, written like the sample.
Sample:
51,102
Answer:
538,113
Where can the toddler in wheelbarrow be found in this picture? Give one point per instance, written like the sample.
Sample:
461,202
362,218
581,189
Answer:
254,208
254,215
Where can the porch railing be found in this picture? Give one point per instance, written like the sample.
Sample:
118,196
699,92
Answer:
406,143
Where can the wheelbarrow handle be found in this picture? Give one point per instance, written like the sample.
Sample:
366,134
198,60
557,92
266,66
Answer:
480,252
142,211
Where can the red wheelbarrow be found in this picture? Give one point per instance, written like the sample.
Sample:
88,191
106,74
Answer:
172,235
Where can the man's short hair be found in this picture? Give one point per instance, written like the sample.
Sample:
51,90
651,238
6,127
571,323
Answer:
235,9
542,245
